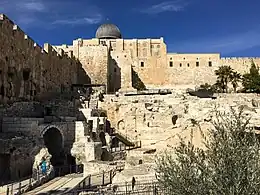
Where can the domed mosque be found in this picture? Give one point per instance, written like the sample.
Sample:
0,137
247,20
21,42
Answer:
108,31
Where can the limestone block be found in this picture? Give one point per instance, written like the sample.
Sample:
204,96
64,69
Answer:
93,151
78,151
97,167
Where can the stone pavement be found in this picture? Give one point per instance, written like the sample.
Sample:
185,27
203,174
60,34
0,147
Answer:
59,185
66,184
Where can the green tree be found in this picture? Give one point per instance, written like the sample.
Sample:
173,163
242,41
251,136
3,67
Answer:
229,164
235,79
251,80
224,76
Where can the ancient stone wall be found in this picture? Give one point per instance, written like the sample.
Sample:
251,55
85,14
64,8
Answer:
157,120
149,59
194,69
94,60
241,65
27,69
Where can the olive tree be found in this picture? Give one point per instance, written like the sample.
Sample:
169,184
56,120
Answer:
228,164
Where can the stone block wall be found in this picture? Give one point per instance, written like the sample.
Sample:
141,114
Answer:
94,60
149,59
27,70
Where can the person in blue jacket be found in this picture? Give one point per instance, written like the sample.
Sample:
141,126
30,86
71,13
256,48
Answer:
43,166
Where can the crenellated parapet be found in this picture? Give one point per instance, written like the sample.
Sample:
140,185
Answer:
28,70
240,64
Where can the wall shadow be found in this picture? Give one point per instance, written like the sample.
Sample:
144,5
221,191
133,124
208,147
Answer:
114,76
137,83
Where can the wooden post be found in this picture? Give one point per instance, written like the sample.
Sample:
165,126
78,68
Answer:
84,184
20,186
7,190
89,181
110,177
103,178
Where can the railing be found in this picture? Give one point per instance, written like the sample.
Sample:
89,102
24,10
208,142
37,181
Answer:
38,178
120,148
143,188
93,181
124,136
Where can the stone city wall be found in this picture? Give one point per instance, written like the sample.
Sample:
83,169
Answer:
149,59
27,70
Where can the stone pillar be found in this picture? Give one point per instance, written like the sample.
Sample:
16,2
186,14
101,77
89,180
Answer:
93,150
126,73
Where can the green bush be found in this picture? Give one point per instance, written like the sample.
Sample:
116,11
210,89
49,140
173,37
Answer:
229,164
251,80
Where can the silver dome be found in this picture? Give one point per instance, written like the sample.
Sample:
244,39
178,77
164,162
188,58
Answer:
108,31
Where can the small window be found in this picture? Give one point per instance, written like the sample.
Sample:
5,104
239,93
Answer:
188,65
152,46
184,58
197,64
170,58
210,63
180,65
158,46
197,58
142,64
114,69
171,64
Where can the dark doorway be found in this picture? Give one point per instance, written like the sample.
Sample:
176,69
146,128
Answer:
63,162
102,138
53,141
4,168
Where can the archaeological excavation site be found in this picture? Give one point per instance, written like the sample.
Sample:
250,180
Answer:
92,117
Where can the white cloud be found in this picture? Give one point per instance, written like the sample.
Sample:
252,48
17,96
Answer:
80,21
168,6
224,44
44,13
33,6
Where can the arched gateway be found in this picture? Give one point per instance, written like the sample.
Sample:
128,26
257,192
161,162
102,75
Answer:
54,142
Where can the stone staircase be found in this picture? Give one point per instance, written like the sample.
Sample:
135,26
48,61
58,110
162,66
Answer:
123,139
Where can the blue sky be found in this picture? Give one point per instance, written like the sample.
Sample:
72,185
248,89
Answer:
231,27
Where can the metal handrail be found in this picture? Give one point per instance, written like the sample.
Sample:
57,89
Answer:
36,181
137,144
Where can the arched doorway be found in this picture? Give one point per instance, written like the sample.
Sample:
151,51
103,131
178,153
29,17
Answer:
62,160
53,140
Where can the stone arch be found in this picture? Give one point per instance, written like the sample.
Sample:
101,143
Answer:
50,127
103,114
95,114
54,142
121,125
